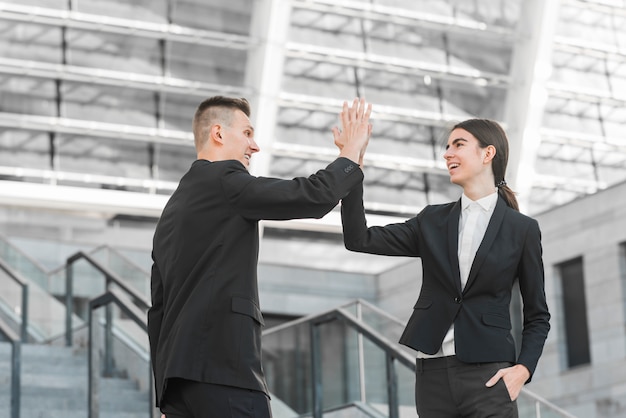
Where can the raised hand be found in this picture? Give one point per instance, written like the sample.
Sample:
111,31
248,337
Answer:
355,131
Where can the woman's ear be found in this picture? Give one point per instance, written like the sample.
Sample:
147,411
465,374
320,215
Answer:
490,153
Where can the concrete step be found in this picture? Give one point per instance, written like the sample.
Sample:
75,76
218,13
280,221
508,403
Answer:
34,401
32,406
54,384
63,413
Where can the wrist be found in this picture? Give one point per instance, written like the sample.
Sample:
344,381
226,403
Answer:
350,152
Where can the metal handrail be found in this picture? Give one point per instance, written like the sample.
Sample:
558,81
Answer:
110,278
24,287
16,367
132,312
393,354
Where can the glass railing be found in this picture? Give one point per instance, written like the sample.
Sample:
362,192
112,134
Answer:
45,312
122,266
77,263
350,356
335,361
22,263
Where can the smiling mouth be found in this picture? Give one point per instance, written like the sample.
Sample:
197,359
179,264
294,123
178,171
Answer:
453,165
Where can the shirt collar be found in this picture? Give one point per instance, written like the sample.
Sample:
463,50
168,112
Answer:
487,203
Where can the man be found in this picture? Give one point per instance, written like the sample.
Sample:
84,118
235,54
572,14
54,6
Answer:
205,322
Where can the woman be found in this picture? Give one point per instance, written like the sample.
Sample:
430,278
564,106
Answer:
472,251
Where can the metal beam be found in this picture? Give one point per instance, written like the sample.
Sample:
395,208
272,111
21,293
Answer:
583,140
114,25
381,112
405,17
150,186
94,129
171,137
384,161
589,95
589,49
545,181
394,65
102,77
605,7
107,203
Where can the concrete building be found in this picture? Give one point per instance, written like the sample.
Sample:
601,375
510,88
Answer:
583,368
96,99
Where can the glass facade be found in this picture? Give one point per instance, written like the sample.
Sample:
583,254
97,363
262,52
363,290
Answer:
100,94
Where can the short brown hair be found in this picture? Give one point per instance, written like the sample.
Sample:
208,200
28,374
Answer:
212,110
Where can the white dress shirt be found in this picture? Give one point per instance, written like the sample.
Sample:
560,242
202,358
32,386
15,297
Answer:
473,222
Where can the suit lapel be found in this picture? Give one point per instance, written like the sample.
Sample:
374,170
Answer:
453,244
490,235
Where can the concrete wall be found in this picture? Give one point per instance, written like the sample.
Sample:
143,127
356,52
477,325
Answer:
593,228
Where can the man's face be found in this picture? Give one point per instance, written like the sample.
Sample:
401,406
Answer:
238,138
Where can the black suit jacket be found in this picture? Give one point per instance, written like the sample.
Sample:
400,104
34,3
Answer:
510,250
205,321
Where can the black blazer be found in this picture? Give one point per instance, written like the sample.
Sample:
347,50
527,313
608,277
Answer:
205,321
510,250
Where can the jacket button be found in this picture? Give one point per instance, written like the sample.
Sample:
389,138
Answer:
457,299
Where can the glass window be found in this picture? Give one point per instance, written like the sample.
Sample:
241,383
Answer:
575,312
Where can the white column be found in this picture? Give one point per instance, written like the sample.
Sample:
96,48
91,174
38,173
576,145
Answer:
526,99
269,27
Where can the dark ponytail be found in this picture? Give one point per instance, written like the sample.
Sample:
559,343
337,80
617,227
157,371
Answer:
489,132
507,194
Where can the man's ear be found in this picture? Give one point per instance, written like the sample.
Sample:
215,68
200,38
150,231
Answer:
490,153
216,133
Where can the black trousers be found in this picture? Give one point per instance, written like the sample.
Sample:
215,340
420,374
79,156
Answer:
189,399
448,388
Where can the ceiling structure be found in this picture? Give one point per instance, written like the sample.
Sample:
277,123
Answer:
96,98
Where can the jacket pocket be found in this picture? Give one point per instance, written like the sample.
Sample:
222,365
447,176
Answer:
496,320
247,307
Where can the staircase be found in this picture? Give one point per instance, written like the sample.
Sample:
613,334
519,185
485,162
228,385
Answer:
343,363
54,384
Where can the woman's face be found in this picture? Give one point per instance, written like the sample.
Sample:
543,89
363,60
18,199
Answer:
465,159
